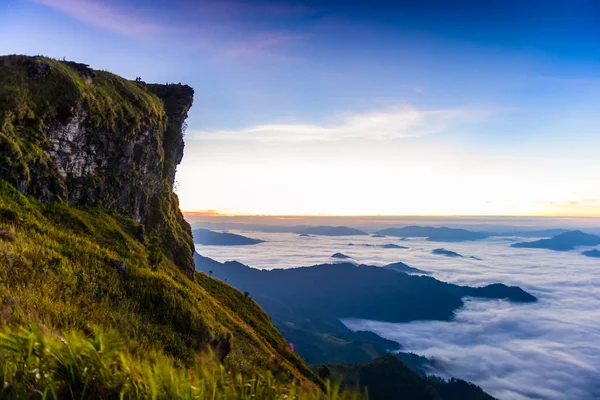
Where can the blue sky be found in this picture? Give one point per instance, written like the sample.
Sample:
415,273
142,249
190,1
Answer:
356,107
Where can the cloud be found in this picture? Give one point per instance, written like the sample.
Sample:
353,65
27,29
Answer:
547,350
239,8
104,16
261,45
393,123
216,26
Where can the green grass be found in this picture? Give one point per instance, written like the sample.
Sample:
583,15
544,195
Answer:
37,366
57,272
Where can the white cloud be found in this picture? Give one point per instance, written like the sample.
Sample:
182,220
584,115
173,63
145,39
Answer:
392,123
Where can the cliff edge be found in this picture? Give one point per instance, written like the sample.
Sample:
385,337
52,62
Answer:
72,134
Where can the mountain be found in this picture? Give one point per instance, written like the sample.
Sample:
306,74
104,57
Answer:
562,242
447,253
209,238
306,304
533,234
434,234
387,377
340,255
320,340
383,246
401,267
591,253
346,290
100,298
331,231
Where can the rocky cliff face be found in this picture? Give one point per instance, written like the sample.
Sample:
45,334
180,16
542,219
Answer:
69,133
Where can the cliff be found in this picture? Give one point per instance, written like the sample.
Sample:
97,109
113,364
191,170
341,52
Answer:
90,138
96,269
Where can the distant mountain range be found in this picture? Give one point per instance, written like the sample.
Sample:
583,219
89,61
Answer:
384,246
210,238
434,234
563,242
533,234
332,231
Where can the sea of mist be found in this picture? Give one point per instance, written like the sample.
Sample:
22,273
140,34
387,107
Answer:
546,350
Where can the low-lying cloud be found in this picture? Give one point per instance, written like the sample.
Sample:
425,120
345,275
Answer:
546,350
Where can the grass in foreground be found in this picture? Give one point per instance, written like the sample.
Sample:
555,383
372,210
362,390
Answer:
38,366
57,271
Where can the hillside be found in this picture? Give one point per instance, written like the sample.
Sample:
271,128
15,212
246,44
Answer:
100,298
387,377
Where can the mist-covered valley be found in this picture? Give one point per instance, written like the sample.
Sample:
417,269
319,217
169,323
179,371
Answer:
549,349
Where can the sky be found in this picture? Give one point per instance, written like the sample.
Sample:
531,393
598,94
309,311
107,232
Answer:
357,107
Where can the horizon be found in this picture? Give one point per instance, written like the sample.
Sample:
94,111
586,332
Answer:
356,108
376,222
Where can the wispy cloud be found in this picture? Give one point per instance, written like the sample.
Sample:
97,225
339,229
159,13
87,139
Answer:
262,45
214,26
392,123
104,16
243,8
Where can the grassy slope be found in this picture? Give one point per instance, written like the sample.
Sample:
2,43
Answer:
56,271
